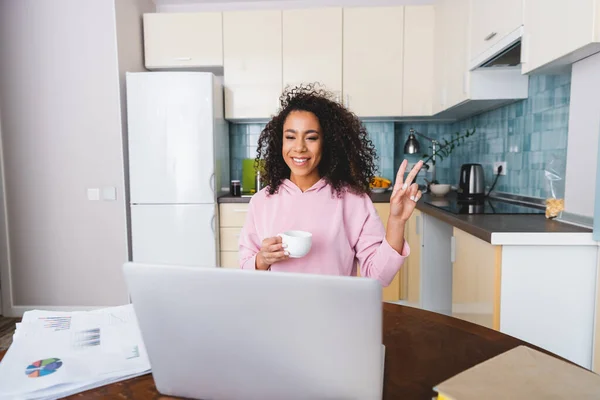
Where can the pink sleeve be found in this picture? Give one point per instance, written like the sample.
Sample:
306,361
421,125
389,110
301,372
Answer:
377,259
249,243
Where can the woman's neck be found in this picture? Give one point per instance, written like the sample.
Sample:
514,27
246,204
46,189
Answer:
305,182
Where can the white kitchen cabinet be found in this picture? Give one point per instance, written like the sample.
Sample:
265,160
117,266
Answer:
373,60
439,53
459,92
252,63
452,52
232,217
418,61
429,269
492,22
558,33
312,47
183,40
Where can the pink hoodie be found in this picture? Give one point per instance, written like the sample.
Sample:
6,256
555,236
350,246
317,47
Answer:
345,230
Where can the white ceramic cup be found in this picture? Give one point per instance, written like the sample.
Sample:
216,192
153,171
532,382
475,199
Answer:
298,242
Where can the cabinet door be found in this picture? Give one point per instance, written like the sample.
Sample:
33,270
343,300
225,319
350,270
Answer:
492,20
418,77
555,28
439,56
413,263
230,259
252,63
184,40
312,47
456,42
373,54
476,280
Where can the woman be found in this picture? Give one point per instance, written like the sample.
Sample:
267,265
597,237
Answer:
318,163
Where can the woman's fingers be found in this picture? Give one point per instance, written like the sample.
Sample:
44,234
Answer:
413,173
276,256
418,196
412,191
400,177
275,248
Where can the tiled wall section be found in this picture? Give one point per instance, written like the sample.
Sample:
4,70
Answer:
244,139
527,135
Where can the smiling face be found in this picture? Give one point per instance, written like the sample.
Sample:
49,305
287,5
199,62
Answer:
302,147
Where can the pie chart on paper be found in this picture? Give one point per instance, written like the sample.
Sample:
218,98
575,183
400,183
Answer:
45,367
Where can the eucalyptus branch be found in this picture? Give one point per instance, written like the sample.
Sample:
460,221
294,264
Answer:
446,147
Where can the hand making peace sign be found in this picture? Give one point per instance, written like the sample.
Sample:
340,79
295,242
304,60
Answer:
406,193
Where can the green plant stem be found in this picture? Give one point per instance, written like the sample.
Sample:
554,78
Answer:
447,147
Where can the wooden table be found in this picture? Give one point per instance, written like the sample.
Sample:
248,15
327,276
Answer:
422,350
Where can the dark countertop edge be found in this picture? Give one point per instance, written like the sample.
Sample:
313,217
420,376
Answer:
483,226
450,219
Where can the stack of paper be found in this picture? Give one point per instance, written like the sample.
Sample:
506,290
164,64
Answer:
521,373
56,354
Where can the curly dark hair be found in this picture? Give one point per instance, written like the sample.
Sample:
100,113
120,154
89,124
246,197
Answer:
348,155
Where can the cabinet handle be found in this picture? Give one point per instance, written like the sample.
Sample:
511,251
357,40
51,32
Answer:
183,58
491,35
240,210
452,249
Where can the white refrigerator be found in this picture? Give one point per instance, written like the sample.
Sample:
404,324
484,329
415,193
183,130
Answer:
178,150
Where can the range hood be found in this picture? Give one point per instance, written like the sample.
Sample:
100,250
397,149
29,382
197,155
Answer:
494,79
504,53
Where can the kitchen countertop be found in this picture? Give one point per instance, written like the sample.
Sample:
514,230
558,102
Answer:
497,229
377,198
512,229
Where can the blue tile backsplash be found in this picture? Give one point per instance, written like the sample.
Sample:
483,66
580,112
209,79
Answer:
244,139
526,134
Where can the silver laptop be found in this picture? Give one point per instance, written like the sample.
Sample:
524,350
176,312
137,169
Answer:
215,333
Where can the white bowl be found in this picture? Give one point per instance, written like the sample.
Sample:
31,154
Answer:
439,190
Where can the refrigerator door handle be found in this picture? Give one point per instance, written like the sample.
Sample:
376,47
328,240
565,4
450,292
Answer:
212,224
212,182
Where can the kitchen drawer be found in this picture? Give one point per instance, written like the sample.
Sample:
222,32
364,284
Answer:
229,259
233,215
230,238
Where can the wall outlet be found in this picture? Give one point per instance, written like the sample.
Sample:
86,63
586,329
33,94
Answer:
498,164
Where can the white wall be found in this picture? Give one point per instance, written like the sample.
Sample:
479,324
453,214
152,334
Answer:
582,147
130,46
61,134
220,5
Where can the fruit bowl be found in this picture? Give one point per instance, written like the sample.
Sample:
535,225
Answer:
379,184
379,190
